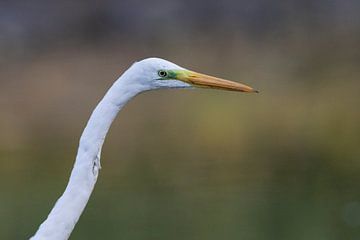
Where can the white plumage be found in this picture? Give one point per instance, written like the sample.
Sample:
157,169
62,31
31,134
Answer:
148,74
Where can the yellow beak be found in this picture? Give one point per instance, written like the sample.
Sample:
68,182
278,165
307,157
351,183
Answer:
206,81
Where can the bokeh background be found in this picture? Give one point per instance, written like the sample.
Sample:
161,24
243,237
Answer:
181,164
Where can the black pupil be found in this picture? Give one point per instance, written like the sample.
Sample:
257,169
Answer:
162,73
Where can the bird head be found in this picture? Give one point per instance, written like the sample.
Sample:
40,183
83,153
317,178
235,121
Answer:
156,73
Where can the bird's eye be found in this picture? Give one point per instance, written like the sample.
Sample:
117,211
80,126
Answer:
162,73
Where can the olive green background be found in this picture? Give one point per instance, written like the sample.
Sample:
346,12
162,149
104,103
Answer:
186,164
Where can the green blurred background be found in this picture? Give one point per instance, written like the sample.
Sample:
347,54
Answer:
181,164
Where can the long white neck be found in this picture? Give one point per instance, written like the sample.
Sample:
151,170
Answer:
68,208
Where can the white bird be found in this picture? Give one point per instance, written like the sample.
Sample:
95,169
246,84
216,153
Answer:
148,74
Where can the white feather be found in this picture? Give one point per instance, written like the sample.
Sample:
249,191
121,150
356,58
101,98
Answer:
141,76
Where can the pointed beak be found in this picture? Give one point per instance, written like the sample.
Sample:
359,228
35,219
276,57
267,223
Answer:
206,81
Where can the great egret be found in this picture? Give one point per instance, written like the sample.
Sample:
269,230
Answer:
148,74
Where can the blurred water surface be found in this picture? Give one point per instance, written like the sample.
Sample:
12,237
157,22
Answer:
177,164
